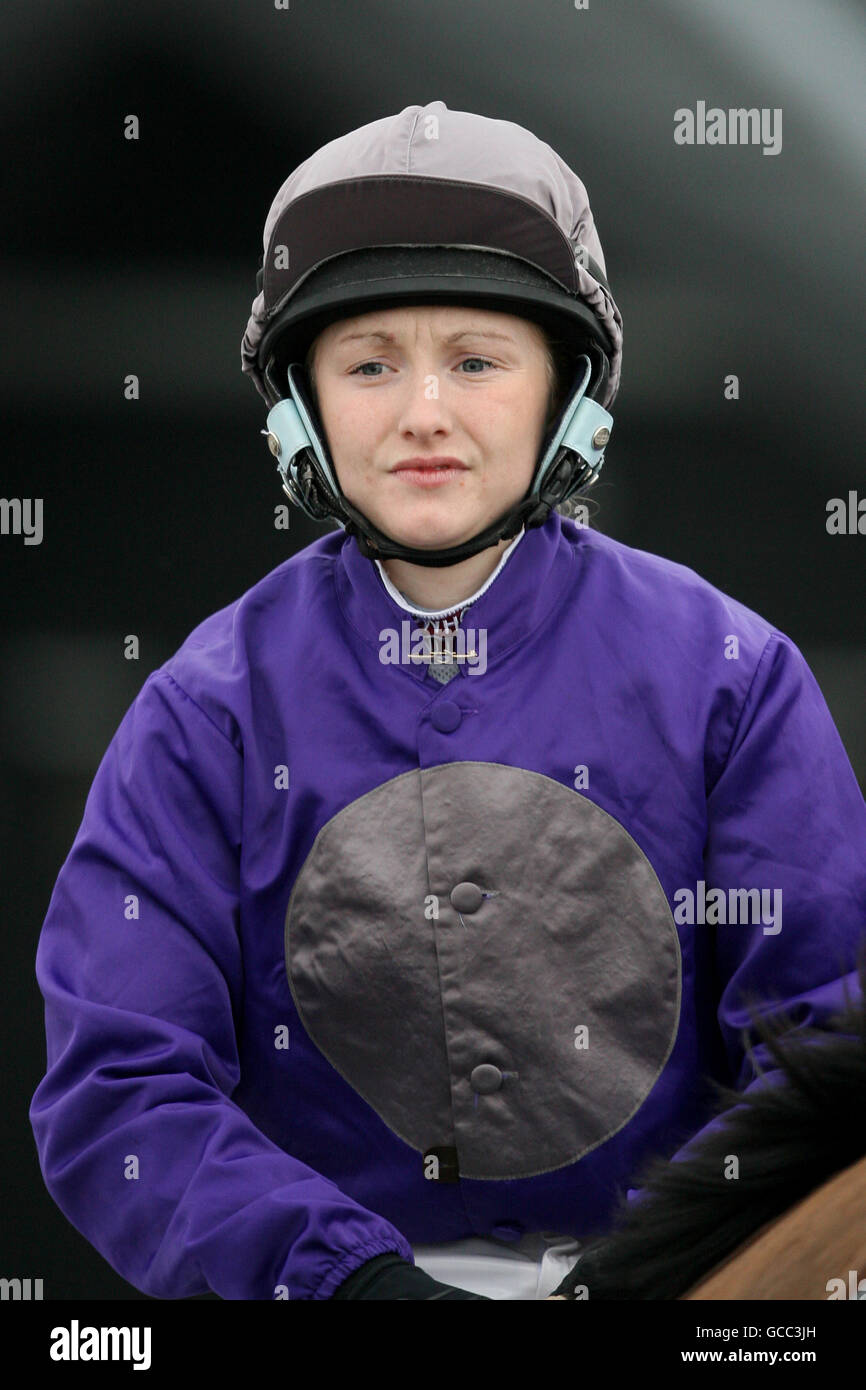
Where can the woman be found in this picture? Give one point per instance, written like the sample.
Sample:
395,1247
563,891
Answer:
420,893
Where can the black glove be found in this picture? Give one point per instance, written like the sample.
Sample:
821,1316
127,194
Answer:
578,1272
390,1276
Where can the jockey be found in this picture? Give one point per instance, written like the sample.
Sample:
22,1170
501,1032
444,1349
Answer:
369,976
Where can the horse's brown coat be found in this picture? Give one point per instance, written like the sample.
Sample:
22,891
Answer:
794,1257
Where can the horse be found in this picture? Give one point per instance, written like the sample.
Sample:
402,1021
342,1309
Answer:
792,1223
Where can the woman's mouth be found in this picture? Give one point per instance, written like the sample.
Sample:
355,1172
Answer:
433,472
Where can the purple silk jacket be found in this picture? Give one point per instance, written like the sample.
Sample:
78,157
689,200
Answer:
343,958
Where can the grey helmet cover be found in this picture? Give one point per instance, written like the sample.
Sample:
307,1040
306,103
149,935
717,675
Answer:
432,206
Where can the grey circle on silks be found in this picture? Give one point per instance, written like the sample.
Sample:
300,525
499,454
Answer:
567,978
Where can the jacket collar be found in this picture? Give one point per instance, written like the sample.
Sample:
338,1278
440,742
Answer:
433,613
516,603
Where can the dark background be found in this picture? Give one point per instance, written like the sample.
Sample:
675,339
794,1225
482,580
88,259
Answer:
140,257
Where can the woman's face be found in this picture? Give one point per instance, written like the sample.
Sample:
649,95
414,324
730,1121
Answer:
417,382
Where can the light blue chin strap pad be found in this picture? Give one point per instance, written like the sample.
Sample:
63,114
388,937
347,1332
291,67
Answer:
580,423
290,424
292,430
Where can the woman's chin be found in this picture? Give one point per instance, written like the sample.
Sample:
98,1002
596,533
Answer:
426,533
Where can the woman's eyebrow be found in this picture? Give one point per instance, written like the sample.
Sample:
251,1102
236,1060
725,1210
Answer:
384,337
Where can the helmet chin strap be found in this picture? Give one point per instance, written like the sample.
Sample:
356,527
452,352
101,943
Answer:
532,511
377,546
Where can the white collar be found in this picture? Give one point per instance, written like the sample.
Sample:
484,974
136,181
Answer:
464,603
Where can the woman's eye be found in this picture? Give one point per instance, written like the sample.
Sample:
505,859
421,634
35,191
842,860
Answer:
485,361
356,370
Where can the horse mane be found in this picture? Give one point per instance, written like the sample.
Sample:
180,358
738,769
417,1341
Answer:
789,1137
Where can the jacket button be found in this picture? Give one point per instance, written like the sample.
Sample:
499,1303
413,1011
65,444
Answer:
485,1079
466,897
446,717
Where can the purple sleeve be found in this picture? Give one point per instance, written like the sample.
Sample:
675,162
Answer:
140,966
787,815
